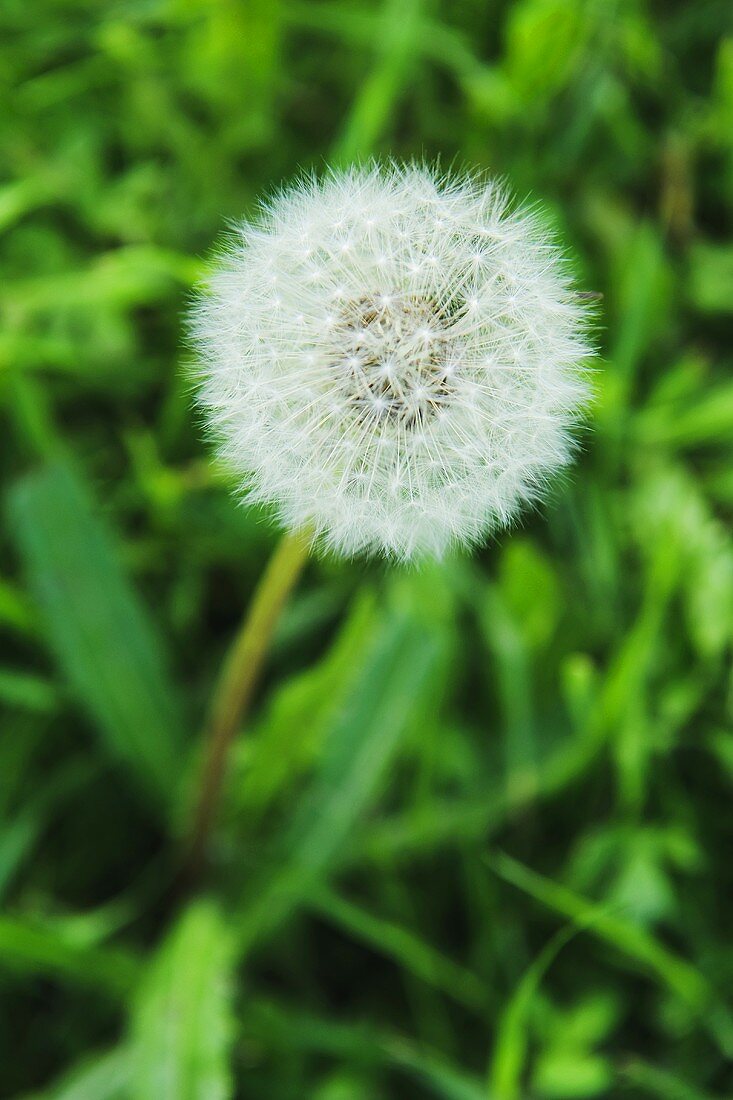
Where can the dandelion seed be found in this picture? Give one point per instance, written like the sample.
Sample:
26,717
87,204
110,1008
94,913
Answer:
416,387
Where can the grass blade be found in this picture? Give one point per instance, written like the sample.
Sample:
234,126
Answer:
408,950
105,1077
674,973
363,738
182,1023
97,627
33,948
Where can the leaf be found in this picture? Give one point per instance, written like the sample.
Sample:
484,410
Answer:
16,841
273,759
291,1031
564,1075
544,45
513,675
27,692
373,106
512,1033
408,949
637,945
706,421
441,1077
20,834
658,1082
182,1022
363,737
711,278
105,1077
97,626
134,275
643,291
33,948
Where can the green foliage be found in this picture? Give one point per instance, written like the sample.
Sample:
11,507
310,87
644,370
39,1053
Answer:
475,840
96,625
182,1019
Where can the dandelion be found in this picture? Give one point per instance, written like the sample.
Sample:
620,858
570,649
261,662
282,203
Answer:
394,358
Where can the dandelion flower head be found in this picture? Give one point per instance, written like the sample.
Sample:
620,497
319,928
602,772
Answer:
393,357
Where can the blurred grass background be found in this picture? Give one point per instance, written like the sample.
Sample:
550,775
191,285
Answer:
476,842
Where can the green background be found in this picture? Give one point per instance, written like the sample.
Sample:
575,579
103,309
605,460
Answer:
476,840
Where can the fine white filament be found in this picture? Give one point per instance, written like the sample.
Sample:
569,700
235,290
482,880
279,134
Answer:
393,357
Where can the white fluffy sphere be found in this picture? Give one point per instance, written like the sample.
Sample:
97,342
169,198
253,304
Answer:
393,357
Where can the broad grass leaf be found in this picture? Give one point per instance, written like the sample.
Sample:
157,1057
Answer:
97,627
182,1023
273,760
364,735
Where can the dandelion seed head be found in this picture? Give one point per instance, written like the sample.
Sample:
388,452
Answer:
407,379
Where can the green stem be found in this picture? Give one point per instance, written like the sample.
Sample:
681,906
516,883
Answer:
236,684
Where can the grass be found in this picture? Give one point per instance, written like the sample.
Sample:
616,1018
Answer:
476,839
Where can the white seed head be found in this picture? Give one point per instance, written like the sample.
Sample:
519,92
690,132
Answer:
393,357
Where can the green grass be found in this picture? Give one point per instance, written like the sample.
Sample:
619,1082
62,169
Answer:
476,836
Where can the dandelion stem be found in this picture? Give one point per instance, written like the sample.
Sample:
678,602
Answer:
237,681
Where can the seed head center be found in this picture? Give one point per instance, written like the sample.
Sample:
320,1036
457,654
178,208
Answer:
394,361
